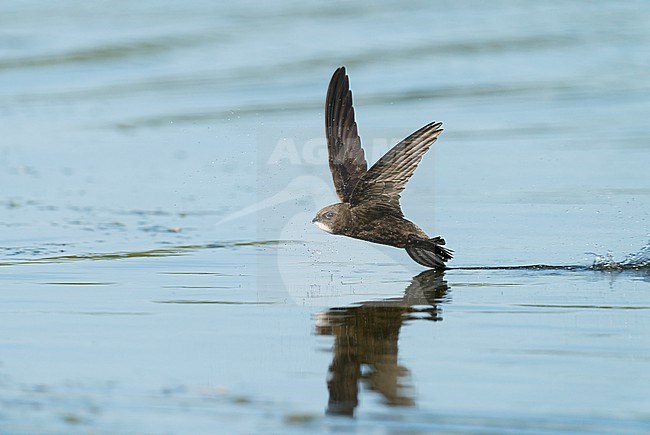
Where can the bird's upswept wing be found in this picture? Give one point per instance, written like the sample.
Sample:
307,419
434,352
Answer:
379,189
346,157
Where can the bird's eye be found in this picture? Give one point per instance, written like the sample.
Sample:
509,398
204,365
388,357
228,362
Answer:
329,215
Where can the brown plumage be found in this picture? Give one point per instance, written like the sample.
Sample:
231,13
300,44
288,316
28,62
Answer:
370,208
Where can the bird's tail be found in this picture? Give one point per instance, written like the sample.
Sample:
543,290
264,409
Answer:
428,252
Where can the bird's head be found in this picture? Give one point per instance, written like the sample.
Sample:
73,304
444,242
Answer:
334,218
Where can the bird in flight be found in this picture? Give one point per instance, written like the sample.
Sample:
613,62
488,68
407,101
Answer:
370,209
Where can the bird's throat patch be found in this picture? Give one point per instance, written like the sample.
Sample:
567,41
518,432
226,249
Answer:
323,227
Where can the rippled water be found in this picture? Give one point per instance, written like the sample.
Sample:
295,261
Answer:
160,164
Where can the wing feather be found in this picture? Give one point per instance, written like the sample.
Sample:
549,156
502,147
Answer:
380,188
346,157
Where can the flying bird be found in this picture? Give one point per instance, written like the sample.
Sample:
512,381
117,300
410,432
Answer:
370,209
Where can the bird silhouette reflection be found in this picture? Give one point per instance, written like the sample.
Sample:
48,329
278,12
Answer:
366,343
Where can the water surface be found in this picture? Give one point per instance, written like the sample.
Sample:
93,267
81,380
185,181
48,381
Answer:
161,164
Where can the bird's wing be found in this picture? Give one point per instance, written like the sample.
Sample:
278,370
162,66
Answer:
379,189
346,157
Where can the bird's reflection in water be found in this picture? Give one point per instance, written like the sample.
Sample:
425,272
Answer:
365,346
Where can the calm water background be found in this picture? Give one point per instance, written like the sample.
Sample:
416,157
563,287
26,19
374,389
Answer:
160,163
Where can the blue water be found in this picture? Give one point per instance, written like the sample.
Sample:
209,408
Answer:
160,164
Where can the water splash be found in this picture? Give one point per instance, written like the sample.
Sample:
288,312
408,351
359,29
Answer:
638,260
